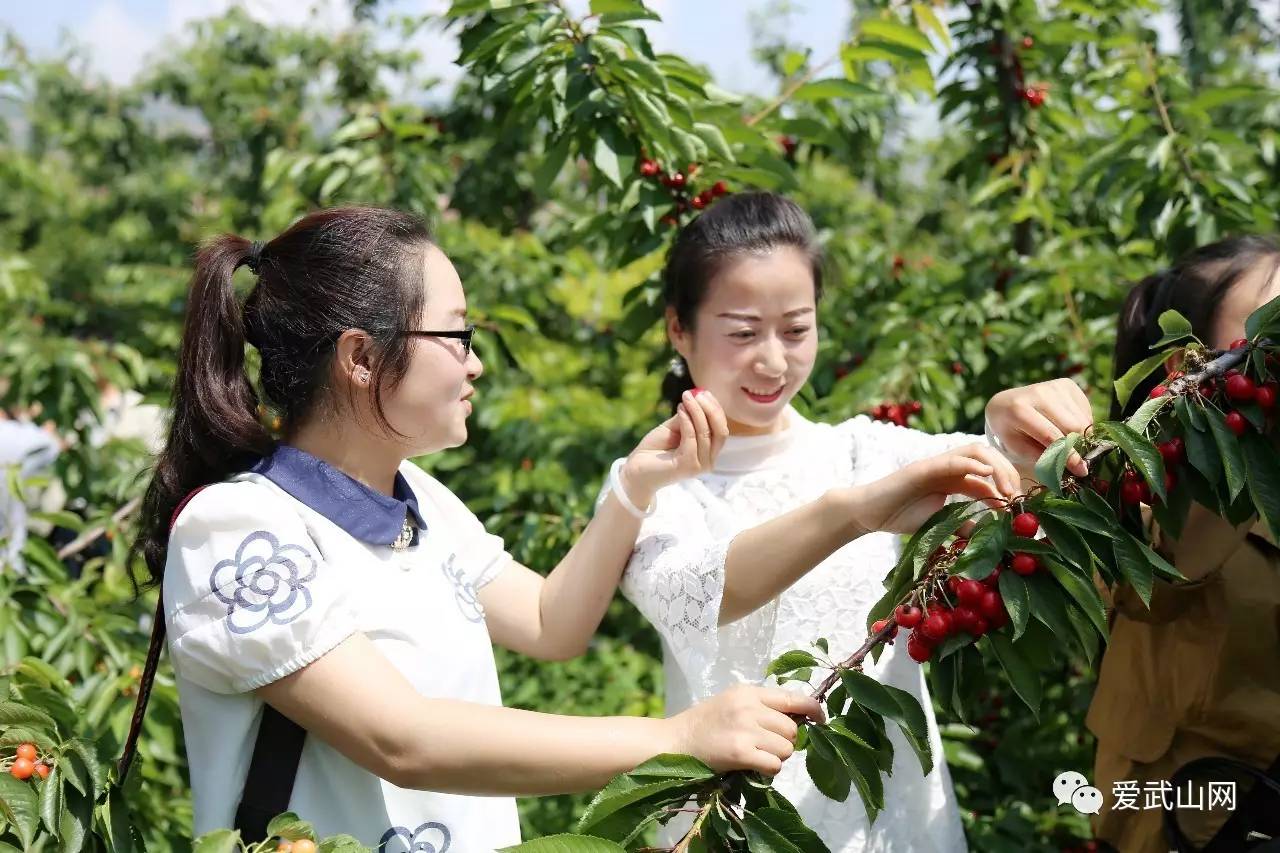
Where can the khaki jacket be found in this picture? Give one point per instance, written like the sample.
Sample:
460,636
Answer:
1197,674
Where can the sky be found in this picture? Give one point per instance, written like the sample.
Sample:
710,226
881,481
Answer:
120,35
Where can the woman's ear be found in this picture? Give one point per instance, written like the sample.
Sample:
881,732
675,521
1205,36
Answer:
677,334
352,357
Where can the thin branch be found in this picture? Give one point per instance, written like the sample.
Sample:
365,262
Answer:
84,540
791,89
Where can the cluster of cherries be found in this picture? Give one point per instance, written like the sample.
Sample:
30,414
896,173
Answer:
302,845
974,607
896,413
1236,389
1033,95
679,183
26,763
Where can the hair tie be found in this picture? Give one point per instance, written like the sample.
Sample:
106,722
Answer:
254,259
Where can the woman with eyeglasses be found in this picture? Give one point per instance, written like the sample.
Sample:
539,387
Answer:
330,607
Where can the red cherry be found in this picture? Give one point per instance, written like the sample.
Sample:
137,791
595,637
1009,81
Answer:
1174,451
915,407
966,618
908,616
1170,481
43,770
1028,42
992,580
698,202
22,768
879,625
1102,487
1026,524
895,414
1131,492
1241,389
27,751
980,627
919,648
1265,397
970,591
1034,97
719,188
879,411
1024,564
936,626
677,180
1236,423
959,545
991,604
1239,343
957,368
649,168
1158,391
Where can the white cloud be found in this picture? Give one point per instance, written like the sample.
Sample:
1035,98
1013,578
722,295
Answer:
116,43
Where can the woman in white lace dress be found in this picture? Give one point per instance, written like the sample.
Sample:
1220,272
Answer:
772,549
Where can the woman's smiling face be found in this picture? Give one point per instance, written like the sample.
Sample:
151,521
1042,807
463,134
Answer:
755,337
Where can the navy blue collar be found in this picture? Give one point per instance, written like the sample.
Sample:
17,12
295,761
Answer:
366,514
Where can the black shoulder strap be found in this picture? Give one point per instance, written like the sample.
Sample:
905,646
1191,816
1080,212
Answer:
272,769
276,752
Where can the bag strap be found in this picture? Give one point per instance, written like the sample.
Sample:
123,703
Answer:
154,648
276,751
1265,781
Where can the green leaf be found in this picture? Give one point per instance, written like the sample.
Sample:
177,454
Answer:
1136,375
831,88
118,824
606,160
1134,566
629,10
218,841
1140,419
1067,541
1048,606
826,768
1017,599
289,826
986,547
714,137
622,792
894,32
1053,462
892,702
673,765
1084,593
1228,451
51,801
772,830
926,18
14,714
20,807
1262,471
1025,680
1078,515
1264,321
1141,452
1202,452
791,661
1175,328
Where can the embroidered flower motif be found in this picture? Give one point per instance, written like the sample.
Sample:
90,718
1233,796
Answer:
429,838
464,591
264,583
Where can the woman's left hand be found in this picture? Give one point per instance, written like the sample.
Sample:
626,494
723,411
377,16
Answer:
1030,418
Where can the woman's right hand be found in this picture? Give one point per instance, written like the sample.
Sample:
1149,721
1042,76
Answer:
685,445
746,727
902,501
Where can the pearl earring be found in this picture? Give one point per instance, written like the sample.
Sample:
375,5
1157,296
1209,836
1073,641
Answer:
362,375
677,367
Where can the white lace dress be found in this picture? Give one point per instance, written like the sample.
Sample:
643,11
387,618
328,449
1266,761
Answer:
676,579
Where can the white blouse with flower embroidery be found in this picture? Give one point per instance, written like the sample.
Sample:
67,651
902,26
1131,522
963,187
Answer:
261,582
676,579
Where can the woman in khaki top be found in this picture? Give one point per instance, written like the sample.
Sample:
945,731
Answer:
1199,673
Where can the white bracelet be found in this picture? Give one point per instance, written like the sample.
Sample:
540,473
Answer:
615,483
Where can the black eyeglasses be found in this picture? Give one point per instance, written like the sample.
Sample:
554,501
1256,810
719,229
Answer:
463,335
